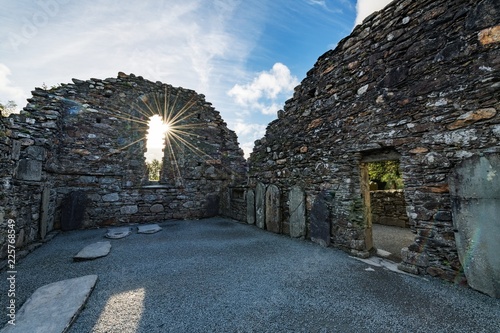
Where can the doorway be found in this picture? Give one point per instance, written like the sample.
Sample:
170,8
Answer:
387,224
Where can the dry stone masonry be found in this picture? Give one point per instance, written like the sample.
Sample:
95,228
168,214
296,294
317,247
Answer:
417,82
74,158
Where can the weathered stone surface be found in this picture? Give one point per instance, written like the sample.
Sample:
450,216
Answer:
297,207
250,206
29,170
111,197
475,191
86,136
157,208
273,209
73,210
418,77
44,221
472,117
320,220
148,229
260,204
490,35
93,251
117,233
53,307
389,208
132,209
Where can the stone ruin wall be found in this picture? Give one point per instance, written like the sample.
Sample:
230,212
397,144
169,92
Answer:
417,81
84,142
389,208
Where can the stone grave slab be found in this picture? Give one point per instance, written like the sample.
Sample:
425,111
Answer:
297,208
148,229
73,210
320,220
260,191
117,233
250,207
44,220
475,198
93,251
53,307
273,209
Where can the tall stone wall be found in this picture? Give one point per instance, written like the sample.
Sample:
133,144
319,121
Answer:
418,82
74,157
27,194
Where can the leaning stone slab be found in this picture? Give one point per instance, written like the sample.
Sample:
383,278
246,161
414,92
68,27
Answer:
475,193
273,209
260,199
148,229
53,307
320,220
93,251
297,208
250,207
117,233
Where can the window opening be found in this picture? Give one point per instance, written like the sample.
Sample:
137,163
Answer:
157,129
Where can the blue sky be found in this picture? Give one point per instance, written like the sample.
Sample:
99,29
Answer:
245,56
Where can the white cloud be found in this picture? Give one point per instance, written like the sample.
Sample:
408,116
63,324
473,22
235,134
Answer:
266,90
250,133
365,8
7,91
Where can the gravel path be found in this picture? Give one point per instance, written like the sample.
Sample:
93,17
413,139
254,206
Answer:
217,275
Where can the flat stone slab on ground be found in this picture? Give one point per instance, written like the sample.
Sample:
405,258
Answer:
148,229
93,251
117,233
53,307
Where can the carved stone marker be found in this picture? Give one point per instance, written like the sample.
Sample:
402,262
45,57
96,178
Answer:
297,208
273,209
250,207
44,220
260,205
320,220
475,194
73,210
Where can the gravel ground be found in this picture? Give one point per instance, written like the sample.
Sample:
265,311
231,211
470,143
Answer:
217,275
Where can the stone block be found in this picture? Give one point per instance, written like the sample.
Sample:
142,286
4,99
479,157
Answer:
273,209
111,197
128,210
297,208
16,149
157,208
29,170
36,153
